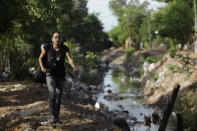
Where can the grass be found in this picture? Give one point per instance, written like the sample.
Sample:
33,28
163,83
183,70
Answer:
127,85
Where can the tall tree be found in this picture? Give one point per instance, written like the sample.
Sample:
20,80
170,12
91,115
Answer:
130,18
175,21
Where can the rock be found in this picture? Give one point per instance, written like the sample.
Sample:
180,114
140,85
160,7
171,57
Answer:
105,108
30,111
94,97
120,106
108,85
121,123
31,70
151,67
3,115
97,105
99,88
145,67
4,75
93,72
17,85
89,89
109,91
126,111
131,123
114,97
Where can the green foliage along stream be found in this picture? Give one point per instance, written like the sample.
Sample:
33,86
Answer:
125,84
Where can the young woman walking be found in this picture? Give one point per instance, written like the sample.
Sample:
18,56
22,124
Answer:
55,73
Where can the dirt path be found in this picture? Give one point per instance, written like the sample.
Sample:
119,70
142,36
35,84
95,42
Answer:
23,106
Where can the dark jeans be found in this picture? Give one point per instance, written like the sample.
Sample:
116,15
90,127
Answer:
55,86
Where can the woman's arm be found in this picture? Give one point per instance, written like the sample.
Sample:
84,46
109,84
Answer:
41,63
70,60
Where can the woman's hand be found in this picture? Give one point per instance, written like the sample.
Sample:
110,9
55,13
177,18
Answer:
76,71
45,70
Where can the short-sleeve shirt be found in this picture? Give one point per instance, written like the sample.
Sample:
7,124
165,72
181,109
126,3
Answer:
43,45
56,60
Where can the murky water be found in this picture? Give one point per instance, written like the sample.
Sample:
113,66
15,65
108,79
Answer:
129,103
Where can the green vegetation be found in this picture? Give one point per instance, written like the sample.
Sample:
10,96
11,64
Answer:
153,59
173,49
130,18
193,86
25,24
174,68
186,106
125,85
141,70
154,77
150,58
174,21
186,69
88,63
130,52
189,71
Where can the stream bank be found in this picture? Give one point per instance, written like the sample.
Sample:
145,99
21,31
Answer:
157,71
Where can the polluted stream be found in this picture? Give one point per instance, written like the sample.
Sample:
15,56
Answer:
128,104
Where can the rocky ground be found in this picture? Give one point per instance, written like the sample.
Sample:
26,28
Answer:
167,73
24,106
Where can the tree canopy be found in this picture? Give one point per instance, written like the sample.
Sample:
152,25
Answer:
175,20
130,17
24,24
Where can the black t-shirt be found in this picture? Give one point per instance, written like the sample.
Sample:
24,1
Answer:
56,59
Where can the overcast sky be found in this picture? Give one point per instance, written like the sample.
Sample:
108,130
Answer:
105,14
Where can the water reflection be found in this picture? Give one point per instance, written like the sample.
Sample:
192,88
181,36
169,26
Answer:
118,83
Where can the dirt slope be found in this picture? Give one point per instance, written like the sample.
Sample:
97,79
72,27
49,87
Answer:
181,69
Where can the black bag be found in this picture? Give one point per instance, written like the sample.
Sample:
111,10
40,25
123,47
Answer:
39,76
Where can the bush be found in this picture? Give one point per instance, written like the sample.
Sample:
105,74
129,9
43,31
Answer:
154,77
173,49
87,61
141,70
31,62
186,105
146,45
157,41
130,51
174,68
152,59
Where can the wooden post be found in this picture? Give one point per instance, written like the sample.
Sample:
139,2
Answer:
179,122
168,111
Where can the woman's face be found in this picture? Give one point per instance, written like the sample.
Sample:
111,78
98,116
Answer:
56,39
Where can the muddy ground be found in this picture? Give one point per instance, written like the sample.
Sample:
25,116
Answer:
23,106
